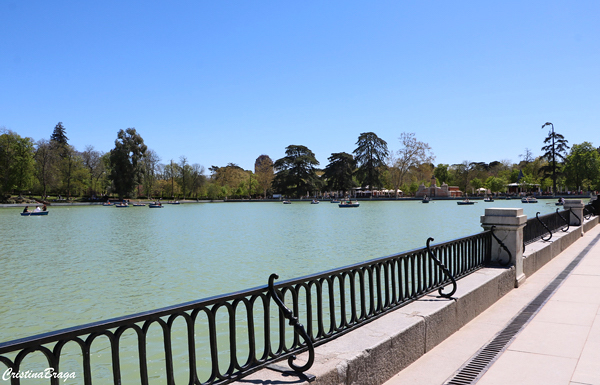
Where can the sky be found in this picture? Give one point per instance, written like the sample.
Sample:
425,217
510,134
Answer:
225,81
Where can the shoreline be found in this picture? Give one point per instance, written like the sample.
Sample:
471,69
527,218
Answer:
60,204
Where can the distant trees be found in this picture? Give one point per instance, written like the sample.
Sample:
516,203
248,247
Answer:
126,161
92,161
264,172
370,154
441,173
17,164
339,172
582,168
296,173
412,154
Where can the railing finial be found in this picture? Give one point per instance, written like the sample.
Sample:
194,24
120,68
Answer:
444,269
298,327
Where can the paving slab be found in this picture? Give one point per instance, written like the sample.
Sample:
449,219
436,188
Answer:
560,344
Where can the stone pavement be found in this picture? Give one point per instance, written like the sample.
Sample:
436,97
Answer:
559,345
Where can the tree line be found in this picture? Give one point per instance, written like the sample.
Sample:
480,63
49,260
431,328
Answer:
132,170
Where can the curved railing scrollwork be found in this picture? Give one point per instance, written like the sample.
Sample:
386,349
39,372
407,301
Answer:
444,269
537,215
504,247
298,327
564,229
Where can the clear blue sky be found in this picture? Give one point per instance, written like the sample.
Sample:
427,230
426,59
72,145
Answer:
227,81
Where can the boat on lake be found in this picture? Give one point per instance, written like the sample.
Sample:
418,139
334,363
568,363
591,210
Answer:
34,213
287,202
528,200
139,204
314,202
488,199
465,202
335,201
349,204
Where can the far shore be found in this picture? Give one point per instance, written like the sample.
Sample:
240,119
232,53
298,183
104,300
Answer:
400,199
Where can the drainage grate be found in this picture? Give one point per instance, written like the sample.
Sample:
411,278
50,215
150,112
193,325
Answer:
476,367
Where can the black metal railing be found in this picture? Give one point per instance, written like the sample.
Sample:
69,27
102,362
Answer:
220,339
542,227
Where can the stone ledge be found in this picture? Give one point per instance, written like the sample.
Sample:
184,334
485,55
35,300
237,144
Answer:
539,253
378,350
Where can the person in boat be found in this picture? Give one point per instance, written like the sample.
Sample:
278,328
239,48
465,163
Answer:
44,208
37,209
26,209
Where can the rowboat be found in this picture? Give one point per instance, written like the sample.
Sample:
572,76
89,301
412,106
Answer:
34,213
349,204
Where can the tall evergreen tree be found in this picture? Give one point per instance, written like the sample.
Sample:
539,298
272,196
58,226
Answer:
59,134
370,155
556,147
339,171
296,174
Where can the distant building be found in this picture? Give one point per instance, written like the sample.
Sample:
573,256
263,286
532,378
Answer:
441,192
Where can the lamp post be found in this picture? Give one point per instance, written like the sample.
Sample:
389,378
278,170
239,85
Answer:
553,158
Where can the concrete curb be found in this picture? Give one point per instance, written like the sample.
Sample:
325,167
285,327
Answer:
377,351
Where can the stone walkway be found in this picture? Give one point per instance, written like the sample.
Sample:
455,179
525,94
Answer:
559,345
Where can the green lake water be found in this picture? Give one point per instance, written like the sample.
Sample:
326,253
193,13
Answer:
82,264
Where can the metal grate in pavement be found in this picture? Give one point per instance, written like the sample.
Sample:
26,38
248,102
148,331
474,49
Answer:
476,367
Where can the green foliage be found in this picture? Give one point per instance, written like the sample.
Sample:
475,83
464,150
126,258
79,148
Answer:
125,161
582,168
338,173
17,163
495,184
296,174
554,151
476,183
370,155
441,173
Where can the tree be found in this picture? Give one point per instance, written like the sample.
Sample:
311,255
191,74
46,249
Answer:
441,173
17,163
59,139
412,154
125,160
296,174
59,135
527,156
339,171
583,164
150,166
92,160
495,184
370,155
556,147
45,163
263,169
70,166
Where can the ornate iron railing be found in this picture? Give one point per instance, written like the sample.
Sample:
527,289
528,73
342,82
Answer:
542,227
220,339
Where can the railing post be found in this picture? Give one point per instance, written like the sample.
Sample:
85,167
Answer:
509,224
575,205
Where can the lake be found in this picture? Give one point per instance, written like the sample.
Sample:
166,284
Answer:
82,264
